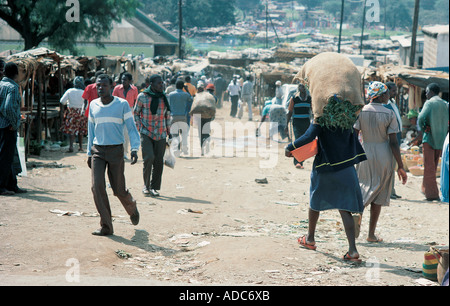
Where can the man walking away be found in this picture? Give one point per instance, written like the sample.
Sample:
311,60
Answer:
220,85
107,117
178,101
247,98
234,88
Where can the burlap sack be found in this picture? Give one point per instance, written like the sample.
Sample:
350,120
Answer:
204,104
328,74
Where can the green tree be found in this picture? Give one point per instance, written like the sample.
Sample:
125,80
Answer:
196,13
57,21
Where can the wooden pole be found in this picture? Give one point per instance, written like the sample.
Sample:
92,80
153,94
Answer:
412,56
362,27
267,26
180,29
340,27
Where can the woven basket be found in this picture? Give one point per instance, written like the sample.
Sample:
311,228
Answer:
416,170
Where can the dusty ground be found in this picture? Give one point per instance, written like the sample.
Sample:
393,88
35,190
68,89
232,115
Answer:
212,225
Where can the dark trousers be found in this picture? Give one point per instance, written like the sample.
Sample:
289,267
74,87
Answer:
111,158
234,105
205,130
153,156
8,141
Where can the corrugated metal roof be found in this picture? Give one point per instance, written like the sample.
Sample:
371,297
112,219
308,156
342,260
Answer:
137,30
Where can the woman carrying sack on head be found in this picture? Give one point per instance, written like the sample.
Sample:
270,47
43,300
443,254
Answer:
334,182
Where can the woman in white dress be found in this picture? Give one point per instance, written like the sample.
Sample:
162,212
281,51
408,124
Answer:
378,126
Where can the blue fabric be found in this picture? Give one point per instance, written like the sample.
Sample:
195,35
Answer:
179,101
336,190
444,172
9,104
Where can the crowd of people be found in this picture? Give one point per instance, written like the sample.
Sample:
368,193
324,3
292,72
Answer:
354,168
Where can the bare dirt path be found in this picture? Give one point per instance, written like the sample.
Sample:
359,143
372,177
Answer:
212,225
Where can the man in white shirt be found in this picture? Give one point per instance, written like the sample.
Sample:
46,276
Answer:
234,88
247,98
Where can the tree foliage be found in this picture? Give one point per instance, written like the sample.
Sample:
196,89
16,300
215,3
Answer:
36,20
196,13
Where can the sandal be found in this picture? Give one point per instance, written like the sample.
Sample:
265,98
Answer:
355,258
302,241
375,241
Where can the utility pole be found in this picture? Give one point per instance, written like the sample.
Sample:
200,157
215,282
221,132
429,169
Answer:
340,28
267,25
362,29
180,26
412,56
384,19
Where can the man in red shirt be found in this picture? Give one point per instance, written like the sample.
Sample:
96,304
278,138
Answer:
90,93
129,92
126,90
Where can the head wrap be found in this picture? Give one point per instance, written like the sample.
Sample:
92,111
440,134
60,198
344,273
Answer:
375,90
78,82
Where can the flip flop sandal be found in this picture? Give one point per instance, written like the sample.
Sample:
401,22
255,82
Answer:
375,241
355,259
302,241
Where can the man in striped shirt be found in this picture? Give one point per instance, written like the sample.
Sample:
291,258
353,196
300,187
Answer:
300,110
107,117
153,119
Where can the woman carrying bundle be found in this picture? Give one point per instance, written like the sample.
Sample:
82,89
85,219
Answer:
334,183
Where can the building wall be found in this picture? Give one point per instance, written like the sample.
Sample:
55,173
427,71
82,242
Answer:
430,52
442,51
436,51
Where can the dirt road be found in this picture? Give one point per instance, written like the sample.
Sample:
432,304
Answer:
213,224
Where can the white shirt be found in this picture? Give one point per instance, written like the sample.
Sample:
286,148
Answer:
234,89
72,98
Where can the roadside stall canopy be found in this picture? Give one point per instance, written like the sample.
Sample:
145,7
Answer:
414,76
422,80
